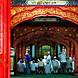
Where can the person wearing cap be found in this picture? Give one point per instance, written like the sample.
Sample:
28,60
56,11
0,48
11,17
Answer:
55,64
40,66
49,56
27,57
47,68
27,61
44,60
33,67
69,65
20,66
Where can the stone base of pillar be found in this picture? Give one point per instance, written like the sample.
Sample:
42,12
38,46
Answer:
75,74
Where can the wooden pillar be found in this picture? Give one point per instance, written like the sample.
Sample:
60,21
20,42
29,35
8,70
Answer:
16,53
31,49
73,52
1,41
4,39
20,50
69,48
68,51
37,51
76,58
23,50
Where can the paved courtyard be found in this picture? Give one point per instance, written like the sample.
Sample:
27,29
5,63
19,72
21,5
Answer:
45,76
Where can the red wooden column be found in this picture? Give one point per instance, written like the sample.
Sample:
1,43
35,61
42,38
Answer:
23,51
68,51
5,39
1,41
76,59
16,52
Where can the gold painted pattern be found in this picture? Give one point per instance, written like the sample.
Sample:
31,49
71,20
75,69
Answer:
19,14
20,9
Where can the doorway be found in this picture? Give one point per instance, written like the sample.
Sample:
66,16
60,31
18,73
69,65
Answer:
40,37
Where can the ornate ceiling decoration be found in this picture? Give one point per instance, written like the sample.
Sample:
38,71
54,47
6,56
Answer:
20,14
36,34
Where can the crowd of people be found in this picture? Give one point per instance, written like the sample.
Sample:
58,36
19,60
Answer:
46,64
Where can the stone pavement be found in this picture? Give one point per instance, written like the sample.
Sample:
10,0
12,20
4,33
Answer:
45,76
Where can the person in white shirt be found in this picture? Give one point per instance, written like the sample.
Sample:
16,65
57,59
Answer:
44,60
40,66
62,58
20,66
49,56
69,65
47,68
33,67
24,64
73,65
56,65
36,64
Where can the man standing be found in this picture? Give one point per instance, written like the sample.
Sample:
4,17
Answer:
27,61
62,58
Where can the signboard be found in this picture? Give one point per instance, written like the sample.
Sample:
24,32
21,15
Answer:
47,19
47,2
12,54
12,63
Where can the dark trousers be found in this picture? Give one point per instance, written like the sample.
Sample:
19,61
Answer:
41,69
63,67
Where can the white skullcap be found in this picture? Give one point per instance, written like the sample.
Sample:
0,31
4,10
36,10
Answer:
26,53
45,57
70,58
48,52
54,56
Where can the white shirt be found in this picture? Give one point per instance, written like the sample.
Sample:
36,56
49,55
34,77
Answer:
48,57
44,61
20,67
48,68
62,57
33,67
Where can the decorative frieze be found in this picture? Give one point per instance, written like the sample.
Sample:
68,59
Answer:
20,14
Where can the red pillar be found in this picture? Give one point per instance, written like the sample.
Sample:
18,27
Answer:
23,51
68,51
5,39
1,41
16,52
76,59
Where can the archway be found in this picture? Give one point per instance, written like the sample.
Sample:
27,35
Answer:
20,14
30,33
